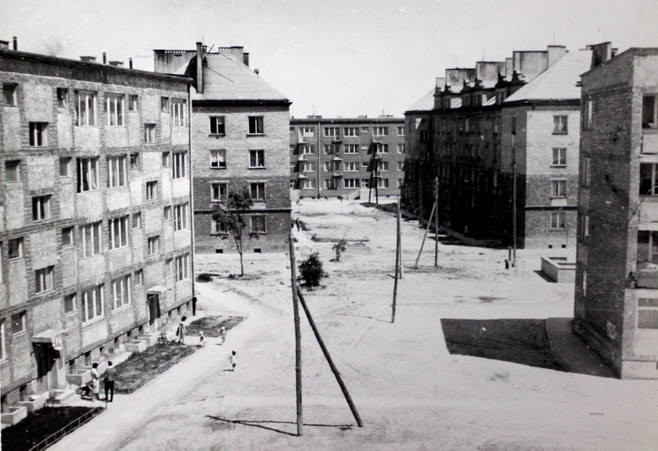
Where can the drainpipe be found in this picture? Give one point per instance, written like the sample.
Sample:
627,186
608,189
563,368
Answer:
318,168
189,165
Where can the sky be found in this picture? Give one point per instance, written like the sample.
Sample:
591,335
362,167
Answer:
331,57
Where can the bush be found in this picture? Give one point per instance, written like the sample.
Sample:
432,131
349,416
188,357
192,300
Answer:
311,270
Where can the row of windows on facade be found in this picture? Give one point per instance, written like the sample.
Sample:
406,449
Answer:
218,159
219,191
89,237
257,225
91,301
333,184
85,103
334,149
648,185
88,170
347,166
334,132
255,125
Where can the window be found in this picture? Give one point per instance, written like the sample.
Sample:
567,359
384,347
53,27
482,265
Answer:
560,126
114,109
351,131
166,213
218,159
117,171
164,104
333,132
15,248
648,179
134,161
149,133
559,156
401,148
383,166
121,292
12,170
257,191
382,148
331,183
585,173
400,130
558,188
587,114
513,126
9,91
650,111
351,148
217,125
65,167
380,131
166,159
87,174
257,223
3,354
382,183
326,148
180,216
308,132
18,322
307,166
400,165
41,208
647,247
364,129
118,228
178,109
178,168
647,313
351,183
424,136
67,236
152,190
585,225
218,228
43,279
255,125
139,277
327,166
132,102
85,108
182,267
400,183
137,220
153,245
308,184
38,136
92,303
257,158
168,266
218,192
557,220
351,166
69,303
90,236
308,149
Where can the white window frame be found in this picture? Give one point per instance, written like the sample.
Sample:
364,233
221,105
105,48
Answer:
122,291
253,219
153,245
401,148
90,239
217,123
73,298
118,232
380,130
256,125
558,188
151,190
114,109
559,157
555,222
217,158
560,124
182,267
92,303
351,149
260,193
43,279
220,191
85,108
41,210
38,134
149,133
256,156
351,131
308,184
117,171
179,112
400,130
179,165
88,174
22,317
181,216
19,248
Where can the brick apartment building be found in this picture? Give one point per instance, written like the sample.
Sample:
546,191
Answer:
332,157
501,133
616,298
239,140
95,233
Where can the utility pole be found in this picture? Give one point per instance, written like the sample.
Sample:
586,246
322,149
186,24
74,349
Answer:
422,244
513,203
397,266
377,181
298,338
436,222
399,239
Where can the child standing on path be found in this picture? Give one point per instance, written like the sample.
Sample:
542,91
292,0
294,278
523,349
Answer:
233,360
95,380
180,332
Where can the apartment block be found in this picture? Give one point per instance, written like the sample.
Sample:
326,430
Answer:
331,157
240,141
502,140
616,297
95,226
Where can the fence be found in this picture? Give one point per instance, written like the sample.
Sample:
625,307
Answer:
72,426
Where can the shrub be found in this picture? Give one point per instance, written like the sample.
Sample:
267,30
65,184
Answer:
311,270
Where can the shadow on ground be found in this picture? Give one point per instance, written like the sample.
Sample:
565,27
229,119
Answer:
521,341
265,424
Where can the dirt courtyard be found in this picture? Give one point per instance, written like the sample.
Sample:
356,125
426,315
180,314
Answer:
411,392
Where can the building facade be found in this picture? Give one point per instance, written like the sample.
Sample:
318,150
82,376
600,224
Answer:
95,227
502,141
240,141
332,157
616,298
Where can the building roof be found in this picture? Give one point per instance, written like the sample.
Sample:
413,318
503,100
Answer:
424,103
557,82
347,120
228,79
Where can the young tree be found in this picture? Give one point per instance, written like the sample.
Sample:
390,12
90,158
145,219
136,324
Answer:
339,248
311,270
231,217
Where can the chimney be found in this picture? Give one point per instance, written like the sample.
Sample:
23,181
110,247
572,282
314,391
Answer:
199,67
116,63
15,42
4,44
88,59
104,58
600,53
245,58
555,52
130,63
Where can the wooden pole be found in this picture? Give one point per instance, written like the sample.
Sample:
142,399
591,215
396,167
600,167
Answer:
422,244
399,240
436,222
327,356
298,338
397,267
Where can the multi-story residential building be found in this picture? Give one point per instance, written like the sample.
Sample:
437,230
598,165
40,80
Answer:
616,298
502,135
332,157
240,140
95,230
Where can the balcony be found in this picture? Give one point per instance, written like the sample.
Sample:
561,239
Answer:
647,276
649,141
648,210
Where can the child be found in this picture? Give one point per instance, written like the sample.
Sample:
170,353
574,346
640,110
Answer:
202,340
233,360
222,335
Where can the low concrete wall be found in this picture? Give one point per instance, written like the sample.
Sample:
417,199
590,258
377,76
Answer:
559,269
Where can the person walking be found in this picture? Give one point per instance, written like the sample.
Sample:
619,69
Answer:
222,335
202,340
108,382
95,380
233,360
180,332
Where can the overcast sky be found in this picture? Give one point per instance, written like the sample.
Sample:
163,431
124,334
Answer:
331,57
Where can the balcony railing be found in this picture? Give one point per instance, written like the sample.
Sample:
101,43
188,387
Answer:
649,141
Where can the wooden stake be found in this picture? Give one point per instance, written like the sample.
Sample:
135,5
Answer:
436,222
399,246
422,244
397,267
327,356
298,338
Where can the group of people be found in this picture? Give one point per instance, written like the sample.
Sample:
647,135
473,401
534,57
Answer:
109,378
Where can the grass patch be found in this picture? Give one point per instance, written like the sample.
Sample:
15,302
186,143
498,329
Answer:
141,367
45,422
210,325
